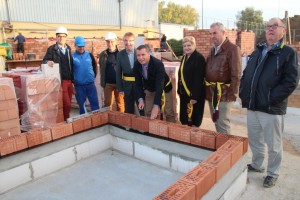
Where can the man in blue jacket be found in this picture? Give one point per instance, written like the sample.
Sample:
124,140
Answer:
84,66
151,84
271,75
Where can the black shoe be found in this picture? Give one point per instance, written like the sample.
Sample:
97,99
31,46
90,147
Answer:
269,181
252,169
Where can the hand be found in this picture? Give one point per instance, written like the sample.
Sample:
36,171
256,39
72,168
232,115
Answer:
193,101
121,93
154,112
141,104
50,63
74,91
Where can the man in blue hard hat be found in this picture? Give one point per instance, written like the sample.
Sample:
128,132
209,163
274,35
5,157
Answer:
84,66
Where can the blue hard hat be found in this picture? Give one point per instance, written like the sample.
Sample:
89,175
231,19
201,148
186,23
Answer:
80,41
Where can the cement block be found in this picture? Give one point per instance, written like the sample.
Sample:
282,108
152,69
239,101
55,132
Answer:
123,145
52,163
151,155
182,165
93,147
14,177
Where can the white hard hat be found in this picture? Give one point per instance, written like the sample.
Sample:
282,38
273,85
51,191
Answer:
61,29
110,36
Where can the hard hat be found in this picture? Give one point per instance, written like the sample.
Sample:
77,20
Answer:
61,29
80,41
110,36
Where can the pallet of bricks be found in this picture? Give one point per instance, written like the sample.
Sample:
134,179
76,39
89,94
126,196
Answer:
39,99
9,114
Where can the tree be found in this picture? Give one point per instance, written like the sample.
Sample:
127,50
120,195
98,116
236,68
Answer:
250,19
175,13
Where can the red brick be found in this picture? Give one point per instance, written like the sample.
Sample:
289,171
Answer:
221,161
158,127
99,119
112,117
221,139
203,176
124,119
244,140
140,123
39,136
61,130
179,190
7,146
180,132
209,139
233,147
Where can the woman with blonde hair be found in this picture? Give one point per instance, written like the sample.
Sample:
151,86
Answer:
191,84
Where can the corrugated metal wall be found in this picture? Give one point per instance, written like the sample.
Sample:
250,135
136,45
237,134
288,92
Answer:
136,13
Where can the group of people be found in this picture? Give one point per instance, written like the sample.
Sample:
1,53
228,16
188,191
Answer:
137,78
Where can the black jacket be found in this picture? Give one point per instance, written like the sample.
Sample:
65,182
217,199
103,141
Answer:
157,80
193,75
53,54
266,84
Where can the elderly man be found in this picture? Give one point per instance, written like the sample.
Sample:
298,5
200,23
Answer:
60,53
125,75
222,78
151,83
108,67
271,75
84,65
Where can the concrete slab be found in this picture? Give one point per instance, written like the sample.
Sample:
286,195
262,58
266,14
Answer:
109,175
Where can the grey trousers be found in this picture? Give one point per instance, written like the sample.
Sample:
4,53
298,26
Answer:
264,128
223,123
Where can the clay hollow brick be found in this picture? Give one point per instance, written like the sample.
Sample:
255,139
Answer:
203,176
221,161
39,136
179,190
233,147
61,130
140,123
180,132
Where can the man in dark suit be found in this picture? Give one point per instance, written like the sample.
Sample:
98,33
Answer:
124,73
151,83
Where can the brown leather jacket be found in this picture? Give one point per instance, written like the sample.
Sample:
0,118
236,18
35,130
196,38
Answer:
224,67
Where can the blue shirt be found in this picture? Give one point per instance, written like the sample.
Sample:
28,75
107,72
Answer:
83,68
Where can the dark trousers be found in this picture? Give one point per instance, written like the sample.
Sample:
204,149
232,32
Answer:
86,91
198,110
20,48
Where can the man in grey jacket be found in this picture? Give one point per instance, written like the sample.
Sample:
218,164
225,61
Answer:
124,73
271,75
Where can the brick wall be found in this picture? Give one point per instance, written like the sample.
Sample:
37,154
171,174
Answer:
245,40
296,46
39,46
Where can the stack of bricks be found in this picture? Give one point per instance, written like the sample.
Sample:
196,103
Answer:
41,95
39,99
9,118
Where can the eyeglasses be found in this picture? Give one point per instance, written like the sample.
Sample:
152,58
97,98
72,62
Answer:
273,27
61,36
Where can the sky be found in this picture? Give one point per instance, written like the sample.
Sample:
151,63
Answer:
225,11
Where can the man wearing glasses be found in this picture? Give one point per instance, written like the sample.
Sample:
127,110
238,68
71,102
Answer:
271,75
60,53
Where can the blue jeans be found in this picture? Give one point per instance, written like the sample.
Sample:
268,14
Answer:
86,91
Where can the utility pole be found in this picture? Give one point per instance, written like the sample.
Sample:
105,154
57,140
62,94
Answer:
287,19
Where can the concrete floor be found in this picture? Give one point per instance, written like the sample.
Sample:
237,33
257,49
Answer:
109,175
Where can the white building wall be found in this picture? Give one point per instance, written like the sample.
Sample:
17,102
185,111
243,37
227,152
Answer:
174,31
135,13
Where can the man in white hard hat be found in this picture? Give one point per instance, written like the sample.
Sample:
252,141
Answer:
60,53
108,64
125,75
84,65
